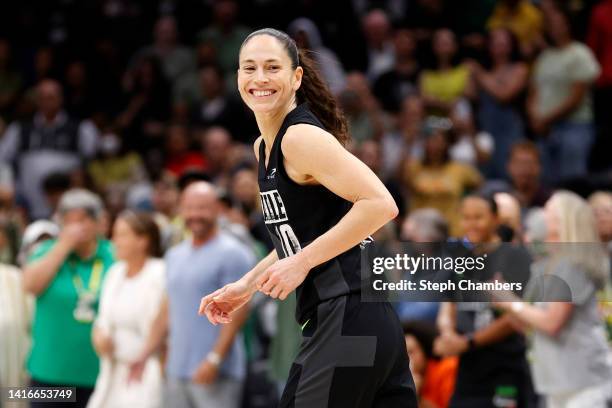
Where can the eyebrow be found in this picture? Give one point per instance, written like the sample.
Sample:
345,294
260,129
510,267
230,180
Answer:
268,60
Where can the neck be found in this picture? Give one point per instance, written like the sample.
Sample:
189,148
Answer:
202,239
270,123
564,42
87,250
135,264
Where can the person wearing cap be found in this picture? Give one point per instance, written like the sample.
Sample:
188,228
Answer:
65,276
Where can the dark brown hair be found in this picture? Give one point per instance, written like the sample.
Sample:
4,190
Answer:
313,89
143,224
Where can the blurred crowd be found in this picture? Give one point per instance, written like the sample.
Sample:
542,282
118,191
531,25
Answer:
128,188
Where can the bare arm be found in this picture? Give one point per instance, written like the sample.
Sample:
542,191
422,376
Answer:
505,91
550,320
569,104
158,332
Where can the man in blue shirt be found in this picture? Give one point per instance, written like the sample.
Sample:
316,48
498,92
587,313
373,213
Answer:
206,364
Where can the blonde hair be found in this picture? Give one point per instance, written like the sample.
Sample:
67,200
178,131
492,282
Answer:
578,233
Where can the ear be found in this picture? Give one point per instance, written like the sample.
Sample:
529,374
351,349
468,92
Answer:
298,74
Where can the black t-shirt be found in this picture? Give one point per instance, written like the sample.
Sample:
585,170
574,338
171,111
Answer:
502,363
296,215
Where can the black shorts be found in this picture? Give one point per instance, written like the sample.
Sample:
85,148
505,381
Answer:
353,355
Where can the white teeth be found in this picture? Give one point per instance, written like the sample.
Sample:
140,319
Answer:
262,93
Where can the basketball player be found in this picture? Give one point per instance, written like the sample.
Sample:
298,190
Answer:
320,204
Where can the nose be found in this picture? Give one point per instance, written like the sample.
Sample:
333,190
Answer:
260,75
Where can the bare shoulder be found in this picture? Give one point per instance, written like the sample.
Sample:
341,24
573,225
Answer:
303,139
256,146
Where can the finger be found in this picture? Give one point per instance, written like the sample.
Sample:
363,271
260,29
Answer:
275,293
263,279
283,294
268,286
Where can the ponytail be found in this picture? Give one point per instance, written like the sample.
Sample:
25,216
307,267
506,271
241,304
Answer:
313,89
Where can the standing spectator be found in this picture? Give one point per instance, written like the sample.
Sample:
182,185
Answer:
500,87
559,105
65,275
525,170
131,299
571,364
523,19
601,203
226,33
492,360
51,142
307,37
443,85
176,59
206,364
216,146
438,182
599,38
393,86
377,32
15,319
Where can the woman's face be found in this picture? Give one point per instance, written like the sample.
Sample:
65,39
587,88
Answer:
436,146
551,215
444,44
557,26
127,242
500,44
266,81
478,221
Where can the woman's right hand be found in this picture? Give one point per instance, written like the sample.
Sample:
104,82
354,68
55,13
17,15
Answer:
219,305
103,344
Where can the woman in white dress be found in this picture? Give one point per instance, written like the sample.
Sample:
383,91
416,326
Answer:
131,295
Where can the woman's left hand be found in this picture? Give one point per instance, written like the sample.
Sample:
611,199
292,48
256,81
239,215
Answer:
280,279
450,344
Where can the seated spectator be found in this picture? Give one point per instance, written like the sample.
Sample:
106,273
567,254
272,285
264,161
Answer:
500,87
65,275
51,142
559,104
438,182
393,86
447,81
307,37
131,298
523,19
433,376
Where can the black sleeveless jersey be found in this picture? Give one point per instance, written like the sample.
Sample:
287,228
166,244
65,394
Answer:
296,215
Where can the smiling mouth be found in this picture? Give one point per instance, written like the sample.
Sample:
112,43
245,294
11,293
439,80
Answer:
261,93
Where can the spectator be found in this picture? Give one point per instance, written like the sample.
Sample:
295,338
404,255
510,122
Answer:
205,364
179,155
363,114
469,145
393,86
569,338
51,142
80,100
599,39
601,204
216,146
442,86
524,168
559,105
165,200
492,361
499,87
438,182
510,219
65,275
307,37
219,108
226,34
434,377
523,19
15,317
176,59
131,298
377,31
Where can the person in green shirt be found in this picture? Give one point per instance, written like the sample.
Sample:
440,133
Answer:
65,275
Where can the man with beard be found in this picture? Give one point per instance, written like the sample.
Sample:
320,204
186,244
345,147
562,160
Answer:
205,364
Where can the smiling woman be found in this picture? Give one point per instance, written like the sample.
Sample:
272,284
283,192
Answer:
320,205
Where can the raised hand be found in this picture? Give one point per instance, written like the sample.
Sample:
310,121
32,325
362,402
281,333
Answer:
219,305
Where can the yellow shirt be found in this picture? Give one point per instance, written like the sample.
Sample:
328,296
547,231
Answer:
525,22
446,85
441,188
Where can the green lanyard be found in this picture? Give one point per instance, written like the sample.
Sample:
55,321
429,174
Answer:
94,278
